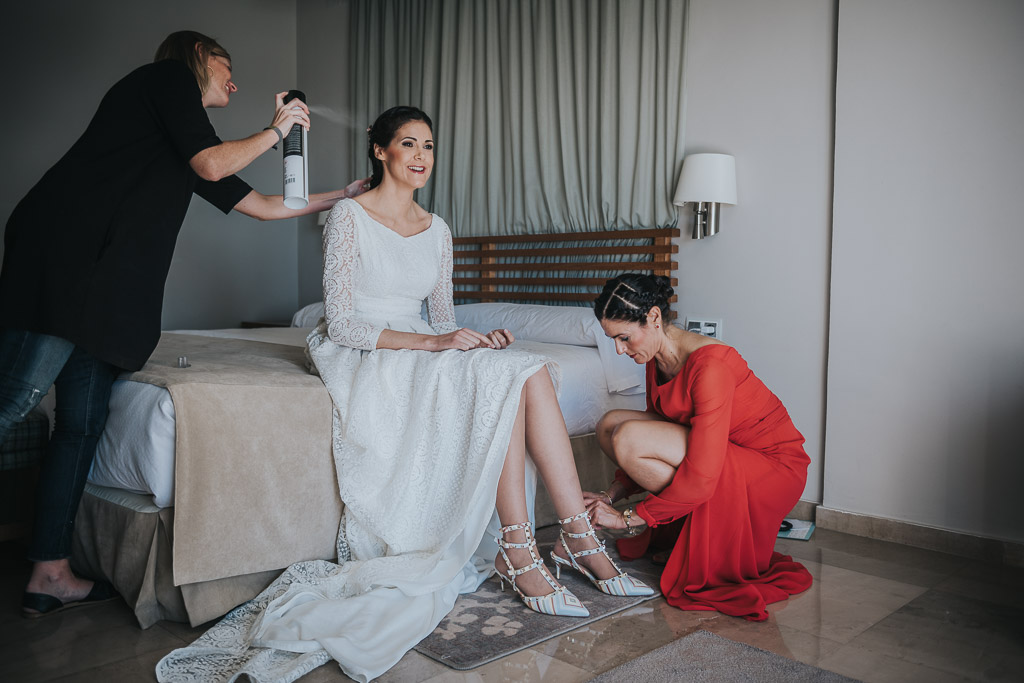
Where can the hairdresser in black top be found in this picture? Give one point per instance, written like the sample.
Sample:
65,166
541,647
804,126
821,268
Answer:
86,256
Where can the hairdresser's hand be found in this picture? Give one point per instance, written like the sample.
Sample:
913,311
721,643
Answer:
500,338
604,516
463,339
589,497
356,188
289,114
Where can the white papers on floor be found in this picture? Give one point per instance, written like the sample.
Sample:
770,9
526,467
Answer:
801,530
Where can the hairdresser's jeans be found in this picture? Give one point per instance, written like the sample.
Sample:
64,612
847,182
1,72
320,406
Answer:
29,364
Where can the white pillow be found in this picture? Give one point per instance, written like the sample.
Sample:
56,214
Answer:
308,316
573,325
532,322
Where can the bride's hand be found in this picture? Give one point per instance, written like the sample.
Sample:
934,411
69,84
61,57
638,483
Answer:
501,338
463,339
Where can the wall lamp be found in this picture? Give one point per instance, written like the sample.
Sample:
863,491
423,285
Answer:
707,180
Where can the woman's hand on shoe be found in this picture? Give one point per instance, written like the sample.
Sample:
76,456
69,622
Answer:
604,515
590,497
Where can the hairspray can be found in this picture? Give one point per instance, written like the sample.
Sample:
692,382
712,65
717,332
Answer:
296,166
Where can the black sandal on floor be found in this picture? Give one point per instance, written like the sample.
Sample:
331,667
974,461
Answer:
35,605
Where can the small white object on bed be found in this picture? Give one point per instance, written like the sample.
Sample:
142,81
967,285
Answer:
136,450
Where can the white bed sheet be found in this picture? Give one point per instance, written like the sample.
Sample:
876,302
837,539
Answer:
136,450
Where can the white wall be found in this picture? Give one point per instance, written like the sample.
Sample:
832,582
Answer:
63,55
759,86
926,362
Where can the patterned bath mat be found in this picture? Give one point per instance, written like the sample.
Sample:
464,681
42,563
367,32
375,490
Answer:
490,624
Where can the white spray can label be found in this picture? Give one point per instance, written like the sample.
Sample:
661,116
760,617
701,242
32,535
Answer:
296,163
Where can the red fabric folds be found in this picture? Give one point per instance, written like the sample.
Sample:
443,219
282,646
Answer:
743,471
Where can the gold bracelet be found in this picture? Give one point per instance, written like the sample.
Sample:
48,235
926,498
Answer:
606,495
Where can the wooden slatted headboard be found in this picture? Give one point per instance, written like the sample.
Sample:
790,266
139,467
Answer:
491,268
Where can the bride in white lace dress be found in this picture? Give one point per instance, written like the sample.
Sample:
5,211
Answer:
432,424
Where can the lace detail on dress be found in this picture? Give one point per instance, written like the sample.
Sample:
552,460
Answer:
223,653
440,303
341,257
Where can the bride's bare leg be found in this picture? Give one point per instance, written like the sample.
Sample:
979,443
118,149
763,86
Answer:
548,443
511,505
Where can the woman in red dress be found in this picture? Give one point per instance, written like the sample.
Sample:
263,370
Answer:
716,449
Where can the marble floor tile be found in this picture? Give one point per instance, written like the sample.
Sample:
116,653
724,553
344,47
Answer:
525,666
872,667
185,632
412,668
136,669
877,558
76,641
974,639
841,603
609,642
987,581
769,635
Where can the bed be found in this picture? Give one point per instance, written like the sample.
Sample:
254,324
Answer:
203,472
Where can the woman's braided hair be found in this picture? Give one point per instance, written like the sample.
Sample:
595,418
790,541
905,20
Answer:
631,296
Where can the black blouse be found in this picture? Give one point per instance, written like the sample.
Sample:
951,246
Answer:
86,252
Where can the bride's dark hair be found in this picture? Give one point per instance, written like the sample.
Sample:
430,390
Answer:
631,296
383,131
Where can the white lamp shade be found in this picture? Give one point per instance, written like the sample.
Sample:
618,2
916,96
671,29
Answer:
707,178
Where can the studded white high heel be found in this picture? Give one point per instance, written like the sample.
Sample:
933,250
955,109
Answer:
622,585
561,602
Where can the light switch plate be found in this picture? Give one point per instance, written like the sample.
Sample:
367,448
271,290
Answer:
709,327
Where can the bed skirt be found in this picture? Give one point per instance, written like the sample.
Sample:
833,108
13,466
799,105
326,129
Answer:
125,539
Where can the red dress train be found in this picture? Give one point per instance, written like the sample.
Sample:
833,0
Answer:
744,470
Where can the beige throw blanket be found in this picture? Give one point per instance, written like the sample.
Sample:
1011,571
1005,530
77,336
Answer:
255,484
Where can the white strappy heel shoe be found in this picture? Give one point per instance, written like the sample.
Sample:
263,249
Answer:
560,603
622,585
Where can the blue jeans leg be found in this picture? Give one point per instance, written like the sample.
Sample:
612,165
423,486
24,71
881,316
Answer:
83,392
29,363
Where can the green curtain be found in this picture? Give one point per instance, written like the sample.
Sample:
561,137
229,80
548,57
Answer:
549,115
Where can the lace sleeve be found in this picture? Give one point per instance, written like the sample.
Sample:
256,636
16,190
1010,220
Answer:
341,256
440,303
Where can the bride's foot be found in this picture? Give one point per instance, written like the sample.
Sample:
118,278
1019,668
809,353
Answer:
599,564
578,548
519,565
534,583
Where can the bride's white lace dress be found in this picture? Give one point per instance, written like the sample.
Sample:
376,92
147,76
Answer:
419,443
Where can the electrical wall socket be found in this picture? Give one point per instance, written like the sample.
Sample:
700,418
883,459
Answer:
709,327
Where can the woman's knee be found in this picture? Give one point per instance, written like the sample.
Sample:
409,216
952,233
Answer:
627,441
605,425
539,383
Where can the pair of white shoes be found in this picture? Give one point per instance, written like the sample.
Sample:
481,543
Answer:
562,602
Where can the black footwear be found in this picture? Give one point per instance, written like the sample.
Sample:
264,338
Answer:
35,605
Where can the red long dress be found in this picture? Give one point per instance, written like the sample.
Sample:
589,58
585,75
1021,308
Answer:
744,470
